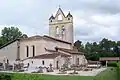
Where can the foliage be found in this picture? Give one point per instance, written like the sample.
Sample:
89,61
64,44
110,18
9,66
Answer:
112,64
109,74
5,76
9,34
118,70
19,76
104,48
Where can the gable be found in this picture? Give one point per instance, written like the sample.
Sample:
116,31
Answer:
10,42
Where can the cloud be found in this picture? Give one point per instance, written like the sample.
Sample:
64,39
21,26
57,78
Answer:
93,19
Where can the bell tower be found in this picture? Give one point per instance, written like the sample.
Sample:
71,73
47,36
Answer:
61,26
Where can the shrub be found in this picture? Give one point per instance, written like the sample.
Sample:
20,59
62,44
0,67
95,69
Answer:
118,70
112,64
4,76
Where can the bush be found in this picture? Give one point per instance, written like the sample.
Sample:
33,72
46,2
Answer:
112,64
118,70
4,76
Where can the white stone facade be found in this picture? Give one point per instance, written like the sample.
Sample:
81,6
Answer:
23,49
61,28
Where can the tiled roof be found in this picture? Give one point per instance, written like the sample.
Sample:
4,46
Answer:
49,56
109,59
56,39
70,51
93,62
45,56
45,37
36,37
33,37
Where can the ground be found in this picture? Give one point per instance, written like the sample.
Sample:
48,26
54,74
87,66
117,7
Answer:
48,77
109,74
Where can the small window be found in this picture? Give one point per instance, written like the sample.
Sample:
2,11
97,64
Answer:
63,30
33,50
7,61
43,62
68,18
27,51
51,21
57,30
28,64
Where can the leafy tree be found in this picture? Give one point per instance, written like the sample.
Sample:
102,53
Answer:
78,44
105,48
9,34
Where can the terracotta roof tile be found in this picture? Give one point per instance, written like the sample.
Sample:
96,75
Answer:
48,56
109,59
56,39
70,51
45,37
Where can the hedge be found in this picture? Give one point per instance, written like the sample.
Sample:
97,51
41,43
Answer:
118,70
5,76
112,64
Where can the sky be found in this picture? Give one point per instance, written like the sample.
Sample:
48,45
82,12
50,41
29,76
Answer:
93,19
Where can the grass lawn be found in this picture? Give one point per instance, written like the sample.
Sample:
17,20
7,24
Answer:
109,74
48,77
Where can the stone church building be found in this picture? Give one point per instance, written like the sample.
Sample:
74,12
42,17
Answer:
55,49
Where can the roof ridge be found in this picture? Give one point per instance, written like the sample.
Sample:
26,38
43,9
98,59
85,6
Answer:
56,39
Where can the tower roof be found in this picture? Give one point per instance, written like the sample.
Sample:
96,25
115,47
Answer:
69,15
60,12
52,17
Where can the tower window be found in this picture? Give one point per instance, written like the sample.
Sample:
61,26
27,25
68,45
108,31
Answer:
43,62
57,30
33,50
63,30
59,17
51,21
27,51
68,18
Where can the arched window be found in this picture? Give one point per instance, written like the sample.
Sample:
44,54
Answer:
77,61
57,30
68,18
7,61
27,51
59,17
43,62
63,30
33,47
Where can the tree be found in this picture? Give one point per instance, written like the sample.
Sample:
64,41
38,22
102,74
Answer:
9,34
78,44
105,48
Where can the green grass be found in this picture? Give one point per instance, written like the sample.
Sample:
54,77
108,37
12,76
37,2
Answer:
109,74
47,77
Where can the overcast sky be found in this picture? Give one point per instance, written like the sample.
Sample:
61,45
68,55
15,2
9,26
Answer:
93,19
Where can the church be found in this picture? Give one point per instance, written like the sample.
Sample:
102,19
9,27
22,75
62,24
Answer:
56,49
